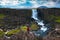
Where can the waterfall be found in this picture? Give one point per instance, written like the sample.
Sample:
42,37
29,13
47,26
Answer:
34,14
38,21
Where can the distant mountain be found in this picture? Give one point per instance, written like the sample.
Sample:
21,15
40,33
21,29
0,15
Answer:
43,7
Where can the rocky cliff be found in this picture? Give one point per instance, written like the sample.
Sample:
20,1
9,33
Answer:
14,17
49,14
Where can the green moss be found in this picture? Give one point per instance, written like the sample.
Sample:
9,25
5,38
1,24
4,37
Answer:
2,33
57,19
23,28
34,26
13,32
2,16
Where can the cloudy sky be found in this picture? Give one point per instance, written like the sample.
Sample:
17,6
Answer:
29,3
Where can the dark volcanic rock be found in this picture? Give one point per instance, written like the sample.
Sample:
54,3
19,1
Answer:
15,17
46,14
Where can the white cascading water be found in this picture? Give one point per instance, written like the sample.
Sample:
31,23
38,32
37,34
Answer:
34,16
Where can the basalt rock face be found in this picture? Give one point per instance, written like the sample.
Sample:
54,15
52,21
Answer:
48,13
15,17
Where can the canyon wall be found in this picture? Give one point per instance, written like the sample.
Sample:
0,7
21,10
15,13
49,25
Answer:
49,13
15,17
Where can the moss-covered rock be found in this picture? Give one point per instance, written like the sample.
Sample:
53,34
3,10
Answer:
57,19
11,32
2,16
2,33
23,28
34,26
